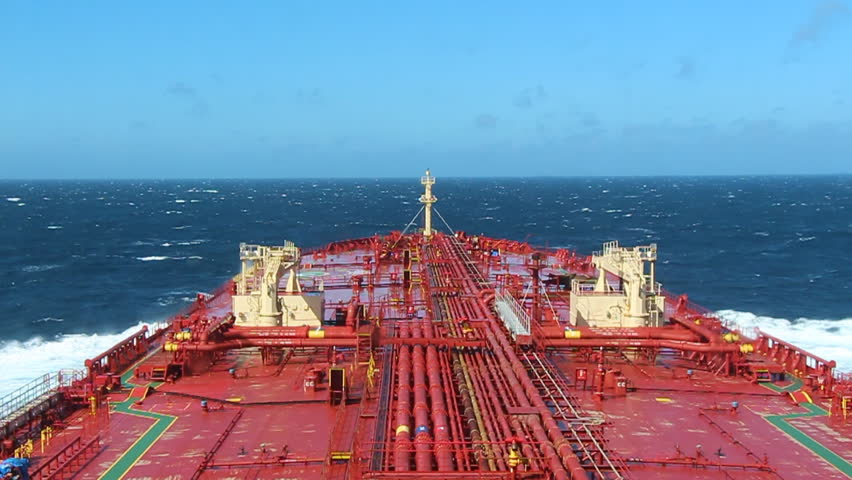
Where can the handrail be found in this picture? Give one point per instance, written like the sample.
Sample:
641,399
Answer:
35,390
512,314
68,460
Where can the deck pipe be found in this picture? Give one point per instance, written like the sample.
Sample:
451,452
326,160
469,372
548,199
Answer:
558,457
402,440
646,343
659,333
264,342
554,456
493,413
508,399
704,332
499,397
216,327
448,372
478,309
559,454
471,411
440,420
324,331
454,415
422,437
352,313
471,398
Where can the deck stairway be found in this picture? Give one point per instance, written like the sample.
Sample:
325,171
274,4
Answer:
364,347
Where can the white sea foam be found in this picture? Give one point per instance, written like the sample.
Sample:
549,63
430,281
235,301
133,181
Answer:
39,268
13,199
192,242
160,258
54,227
828,339
24,361
640,229
49,319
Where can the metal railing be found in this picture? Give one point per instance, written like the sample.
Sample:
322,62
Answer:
579,287
578,423
512,314
36,390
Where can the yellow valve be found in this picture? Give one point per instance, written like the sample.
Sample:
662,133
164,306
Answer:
170,347
746,348
371,369
514,458
402,428
25,450
731,337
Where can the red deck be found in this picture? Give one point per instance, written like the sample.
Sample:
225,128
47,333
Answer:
437,387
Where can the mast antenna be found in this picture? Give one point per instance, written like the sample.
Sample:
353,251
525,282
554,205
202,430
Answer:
427,199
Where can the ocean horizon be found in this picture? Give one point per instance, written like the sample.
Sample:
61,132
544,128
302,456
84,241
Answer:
84,262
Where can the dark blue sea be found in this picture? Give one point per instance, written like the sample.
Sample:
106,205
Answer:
81,262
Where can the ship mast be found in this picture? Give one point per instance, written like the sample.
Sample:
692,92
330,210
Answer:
427,199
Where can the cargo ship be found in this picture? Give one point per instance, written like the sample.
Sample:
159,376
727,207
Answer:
435,353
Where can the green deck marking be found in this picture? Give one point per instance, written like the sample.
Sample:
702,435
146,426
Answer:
128,374
132,455
142,444
780,422
797,384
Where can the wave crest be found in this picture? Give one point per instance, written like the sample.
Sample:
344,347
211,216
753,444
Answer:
37,356
24,361
825,338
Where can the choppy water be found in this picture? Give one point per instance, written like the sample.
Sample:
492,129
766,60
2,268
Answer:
82,262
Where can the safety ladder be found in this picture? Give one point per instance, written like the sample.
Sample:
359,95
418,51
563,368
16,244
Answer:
364,347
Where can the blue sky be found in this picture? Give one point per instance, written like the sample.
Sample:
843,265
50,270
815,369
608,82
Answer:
285,89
